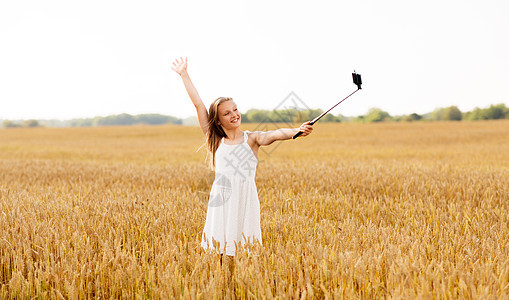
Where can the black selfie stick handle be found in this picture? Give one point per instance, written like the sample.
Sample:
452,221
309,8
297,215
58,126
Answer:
297,135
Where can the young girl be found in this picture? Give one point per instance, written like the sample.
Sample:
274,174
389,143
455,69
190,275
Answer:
233,214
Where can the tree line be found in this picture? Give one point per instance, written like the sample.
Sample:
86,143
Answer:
451,113
112,120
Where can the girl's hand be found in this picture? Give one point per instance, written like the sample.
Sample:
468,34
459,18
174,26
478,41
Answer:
306,128
180,66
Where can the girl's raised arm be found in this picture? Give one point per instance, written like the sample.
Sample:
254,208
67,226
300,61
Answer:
269,137
180,66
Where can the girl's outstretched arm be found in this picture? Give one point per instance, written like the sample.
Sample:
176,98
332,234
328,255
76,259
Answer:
269,137
203,116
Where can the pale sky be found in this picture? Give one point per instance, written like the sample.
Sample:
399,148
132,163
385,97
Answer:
70,59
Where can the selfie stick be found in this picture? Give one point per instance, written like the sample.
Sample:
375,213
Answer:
357,80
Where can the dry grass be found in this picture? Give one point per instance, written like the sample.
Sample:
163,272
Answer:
353,211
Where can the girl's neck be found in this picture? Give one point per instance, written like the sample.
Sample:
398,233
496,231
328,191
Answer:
233,134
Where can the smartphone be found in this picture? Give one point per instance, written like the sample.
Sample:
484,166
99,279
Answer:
357,79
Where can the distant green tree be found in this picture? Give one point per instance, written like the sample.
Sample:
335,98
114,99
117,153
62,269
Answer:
476,114
122,119
415,117
301,116
31,123
494,112
377,115
257,115
126,119
412,117
330,118
245,118
10,124
283,115
359,119
437,114
155,119
452,113
310,114
341,118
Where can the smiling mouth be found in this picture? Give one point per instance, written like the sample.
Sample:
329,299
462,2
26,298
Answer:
234,121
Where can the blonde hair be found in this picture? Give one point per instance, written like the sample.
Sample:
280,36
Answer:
214,131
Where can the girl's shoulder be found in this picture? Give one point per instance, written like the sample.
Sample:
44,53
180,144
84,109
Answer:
252,136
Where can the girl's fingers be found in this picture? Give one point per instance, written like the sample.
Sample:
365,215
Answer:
306,129
182,61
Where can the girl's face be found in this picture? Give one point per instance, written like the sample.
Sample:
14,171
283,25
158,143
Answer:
229,116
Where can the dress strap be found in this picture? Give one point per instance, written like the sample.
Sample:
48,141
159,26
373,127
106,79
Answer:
245,136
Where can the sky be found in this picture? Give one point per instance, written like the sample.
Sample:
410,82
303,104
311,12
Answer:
78,59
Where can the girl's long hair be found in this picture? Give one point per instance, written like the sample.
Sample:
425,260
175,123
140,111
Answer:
214,131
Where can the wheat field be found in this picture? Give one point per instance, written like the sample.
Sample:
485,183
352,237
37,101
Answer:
389,210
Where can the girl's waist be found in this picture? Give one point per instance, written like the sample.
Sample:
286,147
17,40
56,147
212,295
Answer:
235,173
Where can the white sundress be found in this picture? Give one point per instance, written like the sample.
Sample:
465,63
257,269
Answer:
233,213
